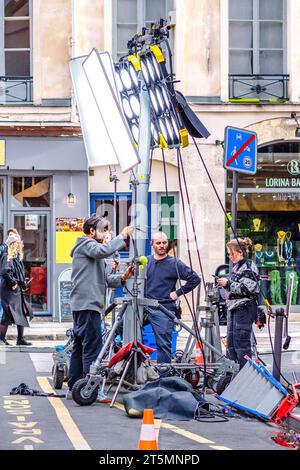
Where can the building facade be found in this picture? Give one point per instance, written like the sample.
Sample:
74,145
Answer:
237,62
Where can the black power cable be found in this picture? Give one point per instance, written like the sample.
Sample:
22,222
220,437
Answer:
191,216
192,311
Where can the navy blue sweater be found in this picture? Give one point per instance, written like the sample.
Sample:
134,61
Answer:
162,276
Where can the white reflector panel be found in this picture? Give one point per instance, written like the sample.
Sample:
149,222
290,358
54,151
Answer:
97,143
99,71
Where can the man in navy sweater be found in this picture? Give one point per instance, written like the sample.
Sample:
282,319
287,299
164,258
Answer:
163,272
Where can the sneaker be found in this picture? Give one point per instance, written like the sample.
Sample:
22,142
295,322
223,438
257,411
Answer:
102,398
3,342
69,395
23,342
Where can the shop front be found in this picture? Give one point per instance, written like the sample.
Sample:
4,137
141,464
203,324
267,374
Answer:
269,213
37,177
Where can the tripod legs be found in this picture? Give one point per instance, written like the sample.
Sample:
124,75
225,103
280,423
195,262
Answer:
128,361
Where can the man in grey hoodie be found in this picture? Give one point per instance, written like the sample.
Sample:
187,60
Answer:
87,301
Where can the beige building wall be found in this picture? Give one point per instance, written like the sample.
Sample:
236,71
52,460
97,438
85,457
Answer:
197,47
51,66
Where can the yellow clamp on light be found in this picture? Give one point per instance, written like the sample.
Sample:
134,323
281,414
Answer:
184,138
135,61
162,142
158,53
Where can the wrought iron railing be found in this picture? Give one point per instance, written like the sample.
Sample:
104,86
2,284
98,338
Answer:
256,88
15,90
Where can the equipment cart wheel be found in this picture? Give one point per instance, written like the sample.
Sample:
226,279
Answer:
58,378
81,398
223,383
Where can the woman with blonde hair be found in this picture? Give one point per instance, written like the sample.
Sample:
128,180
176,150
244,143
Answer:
244,287
15,308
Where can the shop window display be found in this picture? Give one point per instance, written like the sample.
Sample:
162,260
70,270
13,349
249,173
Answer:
271,218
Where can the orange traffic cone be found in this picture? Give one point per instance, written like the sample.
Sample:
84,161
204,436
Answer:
147,437
199,355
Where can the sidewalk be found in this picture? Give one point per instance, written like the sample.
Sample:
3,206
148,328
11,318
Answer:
50,334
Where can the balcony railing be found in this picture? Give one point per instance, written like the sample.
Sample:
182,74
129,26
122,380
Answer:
258,88
15,90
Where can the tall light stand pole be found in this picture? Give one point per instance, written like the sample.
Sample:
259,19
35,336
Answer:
140,183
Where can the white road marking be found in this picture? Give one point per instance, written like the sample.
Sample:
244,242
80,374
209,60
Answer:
42,362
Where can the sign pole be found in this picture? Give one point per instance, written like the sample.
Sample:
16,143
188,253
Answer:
234,203
234,206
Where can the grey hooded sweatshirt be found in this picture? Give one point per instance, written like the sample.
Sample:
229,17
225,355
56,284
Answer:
89,275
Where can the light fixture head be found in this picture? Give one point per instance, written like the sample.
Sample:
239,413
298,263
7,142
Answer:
297,132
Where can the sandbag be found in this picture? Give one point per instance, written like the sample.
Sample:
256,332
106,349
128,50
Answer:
171,398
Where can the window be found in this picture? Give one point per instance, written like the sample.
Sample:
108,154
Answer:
269,213
17,40
15,51
131,15
30,191
102,203
167,220
257,36
257,51
165,217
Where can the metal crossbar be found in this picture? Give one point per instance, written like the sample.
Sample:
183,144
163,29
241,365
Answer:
267,87
15,89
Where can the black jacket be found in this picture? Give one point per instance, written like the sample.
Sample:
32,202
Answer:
15,308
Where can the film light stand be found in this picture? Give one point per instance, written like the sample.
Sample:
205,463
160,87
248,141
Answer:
134,303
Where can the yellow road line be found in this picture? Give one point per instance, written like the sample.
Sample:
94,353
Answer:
157,426
157,422
64,417
188,434
193,437
220,448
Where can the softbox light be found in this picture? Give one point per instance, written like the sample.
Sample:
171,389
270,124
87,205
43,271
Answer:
100,75
97,143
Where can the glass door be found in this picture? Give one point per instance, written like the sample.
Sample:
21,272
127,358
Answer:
33,228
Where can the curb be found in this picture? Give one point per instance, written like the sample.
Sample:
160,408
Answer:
51,337
27,349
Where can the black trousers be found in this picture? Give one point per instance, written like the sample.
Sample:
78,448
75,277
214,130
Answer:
239,328
87,344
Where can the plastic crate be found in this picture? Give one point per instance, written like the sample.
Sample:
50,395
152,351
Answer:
149,340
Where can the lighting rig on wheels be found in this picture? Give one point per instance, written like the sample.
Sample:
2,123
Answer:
136,109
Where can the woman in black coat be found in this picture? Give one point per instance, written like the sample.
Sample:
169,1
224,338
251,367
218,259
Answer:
15,308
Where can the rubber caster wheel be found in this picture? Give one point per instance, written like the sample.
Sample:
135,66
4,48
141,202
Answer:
223,383
79,397
58,378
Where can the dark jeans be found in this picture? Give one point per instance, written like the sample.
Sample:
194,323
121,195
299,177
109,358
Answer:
87,344
239,328
162,328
